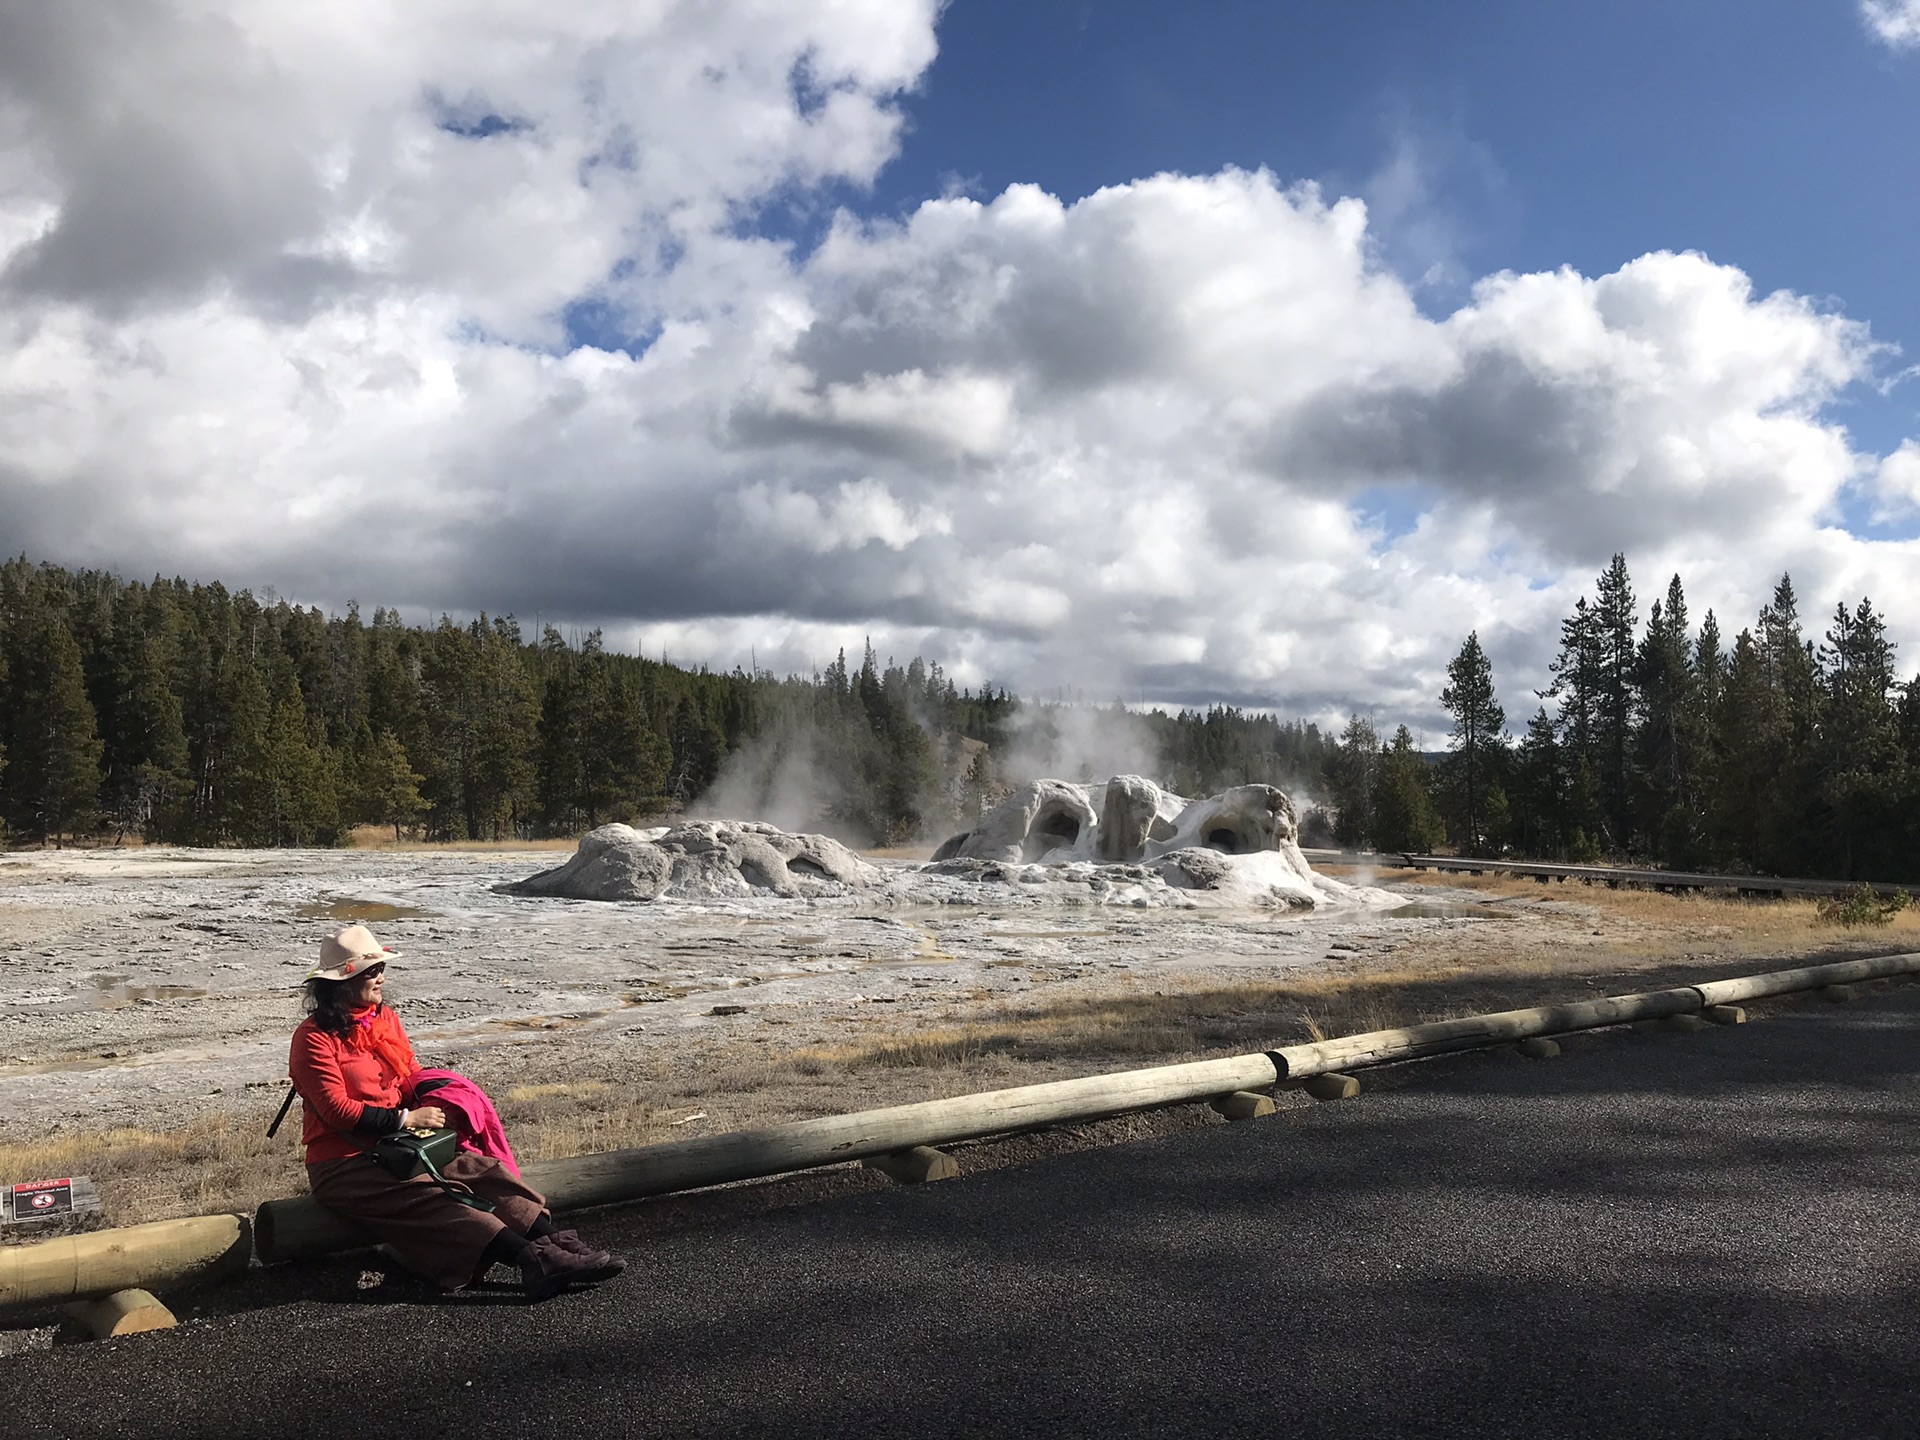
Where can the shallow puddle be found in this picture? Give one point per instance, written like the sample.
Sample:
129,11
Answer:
60,1067
361,911
1447,910
112,992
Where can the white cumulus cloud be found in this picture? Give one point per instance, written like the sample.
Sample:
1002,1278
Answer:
1895,23
317,323
1897,481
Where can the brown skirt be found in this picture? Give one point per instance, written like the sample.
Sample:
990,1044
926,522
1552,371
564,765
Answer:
434,1235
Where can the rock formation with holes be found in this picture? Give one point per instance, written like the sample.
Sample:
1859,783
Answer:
1126,842
1238,847
701,860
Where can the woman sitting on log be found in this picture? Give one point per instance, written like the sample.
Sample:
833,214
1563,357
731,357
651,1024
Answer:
358,1081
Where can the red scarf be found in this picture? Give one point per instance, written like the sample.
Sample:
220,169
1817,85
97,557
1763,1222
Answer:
376,1030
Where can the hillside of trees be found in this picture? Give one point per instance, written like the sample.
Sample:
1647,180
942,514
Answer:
186,713
1781,754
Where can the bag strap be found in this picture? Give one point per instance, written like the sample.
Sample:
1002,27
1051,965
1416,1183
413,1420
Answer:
453,1189
285,1105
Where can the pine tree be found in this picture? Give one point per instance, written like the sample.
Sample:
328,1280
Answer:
154,724
1578,680
389,786
1746,751
1403,816
1862,771
1784,745
1667,729
4,728
1709,737
1479,737
47,721
241,782
60,766
558,779
306,774
1615,619
1352,775
482,708
1540,790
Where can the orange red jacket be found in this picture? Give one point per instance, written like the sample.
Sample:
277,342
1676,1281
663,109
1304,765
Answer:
338,1079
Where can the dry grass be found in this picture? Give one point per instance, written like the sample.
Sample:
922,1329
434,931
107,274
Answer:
380,837
547,1121
556,1090
1658,922
1131,1028
551,1118
216,1165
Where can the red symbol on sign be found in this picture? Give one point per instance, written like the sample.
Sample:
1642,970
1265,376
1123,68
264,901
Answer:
42,1201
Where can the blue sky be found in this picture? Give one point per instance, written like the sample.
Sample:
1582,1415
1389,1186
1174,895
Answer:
1004,332
1769,134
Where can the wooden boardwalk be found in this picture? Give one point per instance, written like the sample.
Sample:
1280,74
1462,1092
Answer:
1612,876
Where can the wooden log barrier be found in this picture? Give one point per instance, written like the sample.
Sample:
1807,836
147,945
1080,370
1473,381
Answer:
125,1312
917,1166
1243,1105
1811,977
290,1229
1477,1031
101,1262
1328,1086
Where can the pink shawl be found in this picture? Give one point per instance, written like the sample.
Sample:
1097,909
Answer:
471,1113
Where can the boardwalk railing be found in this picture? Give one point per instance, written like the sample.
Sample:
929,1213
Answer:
1612,876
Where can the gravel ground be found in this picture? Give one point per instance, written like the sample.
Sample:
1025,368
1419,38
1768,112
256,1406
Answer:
149,986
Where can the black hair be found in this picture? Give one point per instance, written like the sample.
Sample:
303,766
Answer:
330,1004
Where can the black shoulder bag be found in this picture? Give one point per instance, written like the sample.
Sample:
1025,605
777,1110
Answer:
407,1153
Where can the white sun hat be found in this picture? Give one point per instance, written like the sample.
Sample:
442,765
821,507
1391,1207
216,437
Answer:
352,952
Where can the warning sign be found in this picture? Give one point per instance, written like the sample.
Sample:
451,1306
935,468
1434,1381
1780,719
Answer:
44,1197
47,1199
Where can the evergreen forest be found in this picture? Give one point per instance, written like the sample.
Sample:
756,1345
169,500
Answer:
186,713
1782,753
181,712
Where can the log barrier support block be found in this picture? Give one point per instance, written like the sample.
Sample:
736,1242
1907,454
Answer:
916,1166
1840,994
125,1312
1538,1047
1724,1015
1243,1105
1331,1087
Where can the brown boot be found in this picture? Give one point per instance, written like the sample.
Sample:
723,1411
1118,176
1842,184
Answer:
547,1269
570,1241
